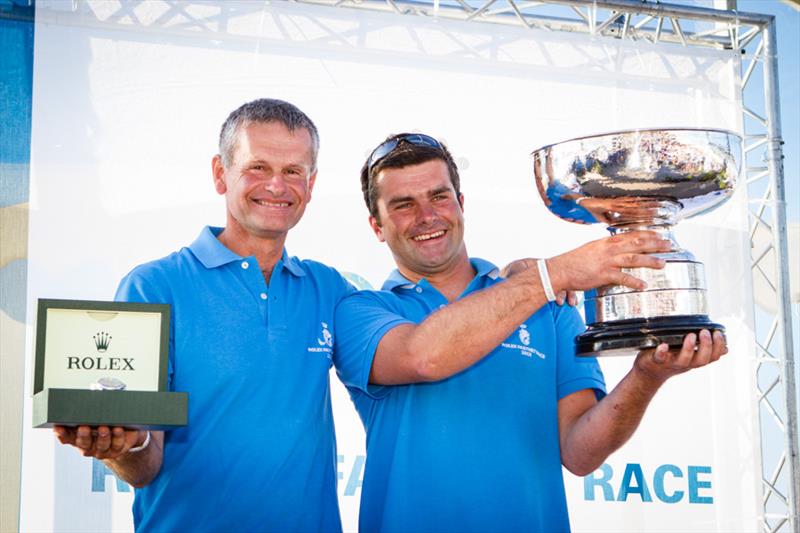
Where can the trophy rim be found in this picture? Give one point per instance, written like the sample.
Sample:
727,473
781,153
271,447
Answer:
637,130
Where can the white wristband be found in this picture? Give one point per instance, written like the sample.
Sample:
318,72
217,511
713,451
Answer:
545,277
144,445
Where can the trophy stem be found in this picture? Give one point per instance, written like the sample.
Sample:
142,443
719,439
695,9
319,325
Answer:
622,321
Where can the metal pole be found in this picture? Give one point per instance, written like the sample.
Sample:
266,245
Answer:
641,7
672,10
780,246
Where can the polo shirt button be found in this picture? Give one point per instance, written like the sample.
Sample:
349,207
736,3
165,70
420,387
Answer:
442,306
245,265
263,295
418,289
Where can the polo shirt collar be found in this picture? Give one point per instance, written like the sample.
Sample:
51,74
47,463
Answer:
482,267
485,268
212,253
395,280
291,264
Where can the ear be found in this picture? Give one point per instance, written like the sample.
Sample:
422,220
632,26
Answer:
376,228
461,202
218,172
312,179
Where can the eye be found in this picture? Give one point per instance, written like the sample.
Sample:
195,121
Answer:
293,172
403,205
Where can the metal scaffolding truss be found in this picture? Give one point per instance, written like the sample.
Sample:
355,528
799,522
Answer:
625,19
754,36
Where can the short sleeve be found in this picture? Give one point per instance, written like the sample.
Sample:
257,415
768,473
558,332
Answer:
362,319
343,287
574,373
136,288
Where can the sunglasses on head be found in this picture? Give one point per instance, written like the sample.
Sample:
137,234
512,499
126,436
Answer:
387,147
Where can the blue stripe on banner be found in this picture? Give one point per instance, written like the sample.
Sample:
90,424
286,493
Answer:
16,90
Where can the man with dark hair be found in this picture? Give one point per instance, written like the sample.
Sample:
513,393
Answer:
468,384
426,148
258,453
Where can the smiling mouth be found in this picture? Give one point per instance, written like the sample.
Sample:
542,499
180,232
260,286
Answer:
429,236
266,203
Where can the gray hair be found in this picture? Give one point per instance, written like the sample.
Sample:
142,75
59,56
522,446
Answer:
261,111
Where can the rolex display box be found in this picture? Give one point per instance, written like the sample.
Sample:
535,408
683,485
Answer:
104,364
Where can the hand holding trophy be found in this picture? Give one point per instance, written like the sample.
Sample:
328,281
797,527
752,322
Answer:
634,180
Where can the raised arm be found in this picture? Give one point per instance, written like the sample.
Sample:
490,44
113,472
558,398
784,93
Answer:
457,336
590,431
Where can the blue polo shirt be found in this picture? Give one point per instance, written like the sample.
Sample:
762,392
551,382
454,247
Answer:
478,451
259,451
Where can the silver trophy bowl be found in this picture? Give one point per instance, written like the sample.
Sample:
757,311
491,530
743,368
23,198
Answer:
642,179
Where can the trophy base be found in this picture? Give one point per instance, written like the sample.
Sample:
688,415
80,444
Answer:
627,337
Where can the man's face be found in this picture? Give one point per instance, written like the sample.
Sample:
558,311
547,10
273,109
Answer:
421,218
269,181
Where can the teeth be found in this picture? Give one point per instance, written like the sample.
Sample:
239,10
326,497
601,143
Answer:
429,236
272,204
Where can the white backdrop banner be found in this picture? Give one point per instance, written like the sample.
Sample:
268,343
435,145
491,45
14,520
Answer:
128,101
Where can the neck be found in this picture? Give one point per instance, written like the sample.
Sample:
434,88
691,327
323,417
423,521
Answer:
451,282
266,250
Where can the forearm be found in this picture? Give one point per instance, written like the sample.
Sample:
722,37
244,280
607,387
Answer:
459,335
139,468
455,337
605,427
591,431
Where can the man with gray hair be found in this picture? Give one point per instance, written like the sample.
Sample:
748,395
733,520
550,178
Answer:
251,341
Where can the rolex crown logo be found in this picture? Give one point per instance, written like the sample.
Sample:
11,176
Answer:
101,341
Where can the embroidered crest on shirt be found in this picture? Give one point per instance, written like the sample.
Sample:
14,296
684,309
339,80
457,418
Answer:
325,342
524,335
327,338
525,339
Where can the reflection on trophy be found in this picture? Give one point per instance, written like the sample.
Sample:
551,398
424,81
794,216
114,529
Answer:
646,179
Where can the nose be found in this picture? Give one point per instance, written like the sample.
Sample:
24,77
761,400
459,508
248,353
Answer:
425,213
275,184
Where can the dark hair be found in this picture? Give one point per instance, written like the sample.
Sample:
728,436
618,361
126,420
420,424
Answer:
261,111
404,155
